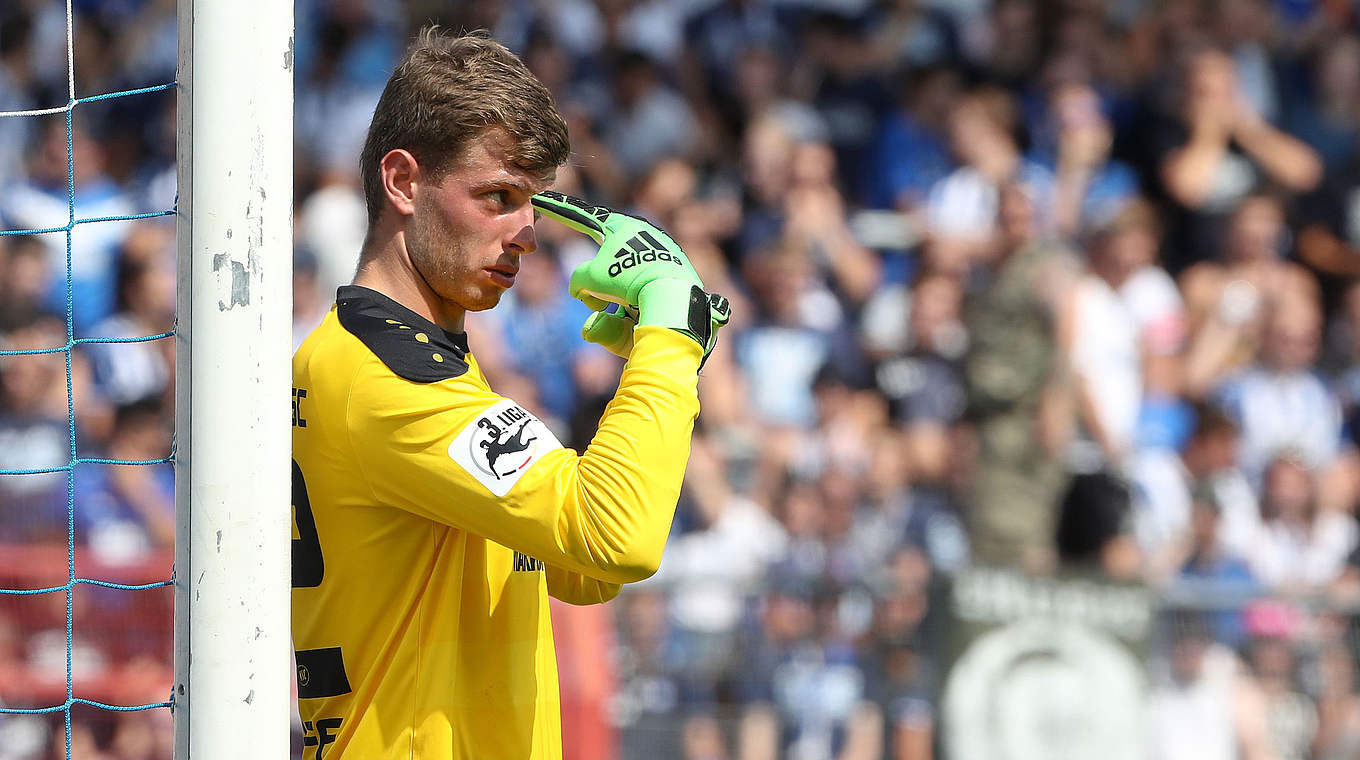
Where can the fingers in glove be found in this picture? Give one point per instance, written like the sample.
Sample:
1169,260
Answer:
580,277
720,308
577,214
613,331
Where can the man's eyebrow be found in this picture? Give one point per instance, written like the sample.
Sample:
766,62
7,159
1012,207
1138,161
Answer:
505,180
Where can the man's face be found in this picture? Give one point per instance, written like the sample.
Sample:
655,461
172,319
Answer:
935,307
469,229
1293,337
1289,490
1255,230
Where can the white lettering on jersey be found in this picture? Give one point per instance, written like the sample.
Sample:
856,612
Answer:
500,445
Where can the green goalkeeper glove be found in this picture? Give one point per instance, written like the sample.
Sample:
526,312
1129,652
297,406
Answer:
640,268
615,331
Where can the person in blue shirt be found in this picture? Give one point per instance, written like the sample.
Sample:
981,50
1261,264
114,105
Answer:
1210,568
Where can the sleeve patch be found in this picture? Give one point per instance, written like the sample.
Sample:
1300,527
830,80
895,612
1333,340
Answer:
501,444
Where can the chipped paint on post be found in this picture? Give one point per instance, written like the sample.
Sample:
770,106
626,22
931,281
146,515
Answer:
236,285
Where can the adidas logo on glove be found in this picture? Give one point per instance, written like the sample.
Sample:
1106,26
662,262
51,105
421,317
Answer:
641,249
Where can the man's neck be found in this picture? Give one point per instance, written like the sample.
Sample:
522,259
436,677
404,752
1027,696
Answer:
385,266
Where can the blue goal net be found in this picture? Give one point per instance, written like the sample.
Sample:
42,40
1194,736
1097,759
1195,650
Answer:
110,468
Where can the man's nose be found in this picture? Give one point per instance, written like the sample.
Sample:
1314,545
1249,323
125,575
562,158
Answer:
525,241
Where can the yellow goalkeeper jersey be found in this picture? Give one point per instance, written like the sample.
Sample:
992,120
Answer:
432,520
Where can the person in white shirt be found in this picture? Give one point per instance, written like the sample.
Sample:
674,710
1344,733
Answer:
1162,494
964,205
1280,403
1300,547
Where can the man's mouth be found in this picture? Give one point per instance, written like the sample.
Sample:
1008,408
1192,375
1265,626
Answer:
503,275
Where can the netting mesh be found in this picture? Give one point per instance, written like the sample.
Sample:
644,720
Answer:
75,460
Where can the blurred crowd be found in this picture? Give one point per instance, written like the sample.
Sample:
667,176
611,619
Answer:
1057,285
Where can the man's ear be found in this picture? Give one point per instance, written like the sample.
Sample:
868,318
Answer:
400,175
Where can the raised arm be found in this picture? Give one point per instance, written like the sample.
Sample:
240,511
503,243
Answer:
468,458
1286,159
464,456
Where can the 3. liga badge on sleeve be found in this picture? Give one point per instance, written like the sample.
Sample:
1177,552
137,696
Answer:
499,445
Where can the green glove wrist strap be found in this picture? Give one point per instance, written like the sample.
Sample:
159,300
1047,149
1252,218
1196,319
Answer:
679,305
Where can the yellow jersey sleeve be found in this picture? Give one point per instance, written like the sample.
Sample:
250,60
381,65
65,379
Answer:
575,588
459,454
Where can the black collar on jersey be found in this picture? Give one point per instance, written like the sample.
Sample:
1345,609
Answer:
410,345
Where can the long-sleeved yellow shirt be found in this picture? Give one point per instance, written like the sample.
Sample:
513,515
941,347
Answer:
433,518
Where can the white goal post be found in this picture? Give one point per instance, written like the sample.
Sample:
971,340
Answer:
233,346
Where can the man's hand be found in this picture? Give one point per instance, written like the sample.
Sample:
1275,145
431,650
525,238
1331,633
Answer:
615,331
633,252
640,268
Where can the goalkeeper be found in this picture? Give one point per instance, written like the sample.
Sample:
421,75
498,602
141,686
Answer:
433,517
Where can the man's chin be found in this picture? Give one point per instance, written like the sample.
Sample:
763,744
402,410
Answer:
484,301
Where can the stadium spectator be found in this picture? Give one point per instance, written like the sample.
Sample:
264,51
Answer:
1291,719
911,150
1008,44
34,433
1301,547
1229,299
816,224
1123,252
127,511
803,671
39,201
1090,187
844,81
1329,223
790,339
924,336
1207,561
650,120
338,66
718,34
1338,705
1329,121
715,567
310,304
901,673
1107,365
16,88
1015,376
1205,706
329,227
27,278
1208,570
911,34
1220,148
1280,403
767,147
1206,469
129,372
965,204
926,401
1092,529
650,688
